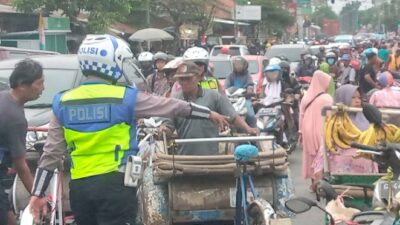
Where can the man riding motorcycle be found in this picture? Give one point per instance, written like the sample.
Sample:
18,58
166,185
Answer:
158,81
240,78
290,83
307,69
146,63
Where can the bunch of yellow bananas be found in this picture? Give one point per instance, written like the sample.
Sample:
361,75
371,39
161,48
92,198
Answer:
340,131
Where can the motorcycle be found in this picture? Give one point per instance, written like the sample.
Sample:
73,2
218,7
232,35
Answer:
237,97
278,118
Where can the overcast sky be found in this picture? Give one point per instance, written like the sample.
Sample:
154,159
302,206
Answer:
337,7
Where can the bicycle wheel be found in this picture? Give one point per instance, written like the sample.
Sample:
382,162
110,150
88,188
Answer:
260,212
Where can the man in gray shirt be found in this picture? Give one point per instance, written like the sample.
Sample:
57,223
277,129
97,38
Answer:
348,74
188,76
26,82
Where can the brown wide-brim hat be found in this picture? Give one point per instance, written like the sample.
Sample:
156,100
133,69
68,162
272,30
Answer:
187,69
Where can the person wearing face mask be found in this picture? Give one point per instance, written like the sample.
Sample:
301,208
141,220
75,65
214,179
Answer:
333,71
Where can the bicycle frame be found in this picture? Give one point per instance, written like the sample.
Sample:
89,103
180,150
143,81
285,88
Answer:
243,180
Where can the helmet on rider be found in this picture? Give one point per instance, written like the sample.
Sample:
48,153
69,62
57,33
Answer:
274,61
239,64
331,58
197,55
285,67
369,53
272,72
160,59
303,53
145,60
345,48
105,56
308,60
322,49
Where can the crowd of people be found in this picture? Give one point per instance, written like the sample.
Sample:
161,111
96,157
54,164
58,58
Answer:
193,102
351,77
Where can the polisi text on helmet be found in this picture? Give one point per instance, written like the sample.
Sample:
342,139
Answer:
88,50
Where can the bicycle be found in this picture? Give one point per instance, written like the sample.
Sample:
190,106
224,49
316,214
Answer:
258,211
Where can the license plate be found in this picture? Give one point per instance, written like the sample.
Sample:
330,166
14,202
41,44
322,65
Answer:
386,187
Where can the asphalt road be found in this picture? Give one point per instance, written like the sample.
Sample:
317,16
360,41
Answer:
314,216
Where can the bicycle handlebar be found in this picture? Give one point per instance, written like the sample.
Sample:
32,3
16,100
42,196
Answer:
364,147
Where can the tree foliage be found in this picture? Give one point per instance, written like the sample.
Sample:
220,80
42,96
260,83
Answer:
196,12
321,13
101,13
274,16
387,14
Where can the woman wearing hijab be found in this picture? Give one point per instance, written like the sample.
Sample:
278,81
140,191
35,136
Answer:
344,161
311,122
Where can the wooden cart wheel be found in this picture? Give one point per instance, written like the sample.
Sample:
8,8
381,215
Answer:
260,212
153,200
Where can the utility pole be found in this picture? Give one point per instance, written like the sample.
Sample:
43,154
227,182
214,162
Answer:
235,24
148,13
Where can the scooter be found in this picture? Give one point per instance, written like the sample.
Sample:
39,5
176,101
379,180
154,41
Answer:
270,121
237,97
277,119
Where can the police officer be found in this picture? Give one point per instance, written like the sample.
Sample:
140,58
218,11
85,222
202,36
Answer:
96,123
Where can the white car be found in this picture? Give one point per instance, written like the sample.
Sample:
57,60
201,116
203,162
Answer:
234,50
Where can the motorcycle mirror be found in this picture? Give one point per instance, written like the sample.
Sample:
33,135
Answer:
328,190
299,205
372,114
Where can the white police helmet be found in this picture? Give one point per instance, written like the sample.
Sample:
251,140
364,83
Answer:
196,54
145,56
104,56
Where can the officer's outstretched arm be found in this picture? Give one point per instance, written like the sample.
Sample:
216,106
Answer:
150,105
53,153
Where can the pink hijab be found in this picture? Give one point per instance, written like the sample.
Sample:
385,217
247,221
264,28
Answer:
319,84
311,119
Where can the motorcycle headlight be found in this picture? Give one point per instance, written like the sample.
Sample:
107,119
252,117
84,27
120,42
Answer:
36,134
260,124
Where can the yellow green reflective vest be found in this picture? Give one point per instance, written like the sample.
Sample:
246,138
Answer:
99,127
210,83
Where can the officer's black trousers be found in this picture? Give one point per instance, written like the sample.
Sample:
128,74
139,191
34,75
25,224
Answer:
4,205
103,200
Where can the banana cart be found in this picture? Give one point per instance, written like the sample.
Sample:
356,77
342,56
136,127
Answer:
359,186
